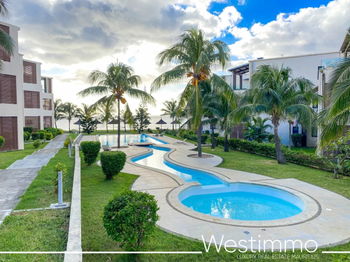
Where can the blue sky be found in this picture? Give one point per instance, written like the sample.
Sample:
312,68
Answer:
262,11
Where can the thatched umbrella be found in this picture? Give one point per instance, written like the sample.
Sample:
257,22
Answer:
78,123
161,122
176,121
114,121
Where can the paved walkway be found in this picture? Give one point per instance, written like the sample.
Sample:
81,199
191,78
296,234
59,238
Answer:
15,180
327,223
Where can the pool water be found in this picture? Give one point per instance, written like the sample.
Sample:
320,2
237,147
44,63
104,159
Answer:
125,139
215,197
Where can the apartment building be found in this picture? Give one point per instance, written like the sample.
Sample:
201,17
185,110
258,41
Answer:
26,98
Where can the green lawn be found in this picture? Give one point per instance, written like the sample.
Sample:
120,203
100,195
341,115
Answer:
269,167
44,230
96,192
42,191
7,158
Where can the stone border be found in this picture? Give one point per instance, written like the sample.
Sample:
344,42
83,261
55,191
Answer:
74,233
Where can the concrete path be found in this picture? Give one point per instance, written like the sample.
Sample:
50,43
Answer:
327,227
15,180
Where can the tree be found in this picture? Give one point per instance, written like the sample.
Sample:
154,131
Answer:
171,109
70,111
58,110
86,115
142,118
256,129
338,154
6,42
106,111
115,84
336,116
128,118
277,94
193,56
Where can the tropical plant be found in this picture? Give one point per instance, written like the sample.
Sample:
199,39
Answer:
86,115
6,42
130,218
256,130
2,141
106,111
70,111
58,110
115,84
128,118
171,109
277,94
193,56
336,116
141,119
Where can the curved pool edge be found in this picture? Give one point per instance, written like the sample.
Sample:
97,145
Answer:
312,207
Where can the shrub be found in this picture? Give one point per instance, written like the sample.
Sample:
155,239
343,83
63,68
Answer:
35,136
297,140
28,129
41,134
112,163
130,218
90,150
67,141
26,136
2,141
36,143
48,136
204,138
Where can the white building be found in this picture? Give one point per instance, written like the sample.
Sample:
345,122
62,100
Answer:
25,96
310,66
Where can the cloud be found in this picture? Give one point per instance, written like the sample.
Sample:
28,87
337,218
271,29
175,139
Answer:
311,30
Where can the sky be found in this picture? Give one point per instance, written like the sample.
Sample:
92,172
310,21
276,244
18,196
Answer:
74,37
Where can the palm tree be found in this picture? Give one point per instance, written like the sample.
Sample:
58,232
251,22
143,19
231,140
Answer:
6,42
58,110
277,94
70,111
256,129
336,116
118,81
193,56
170,109
86,116
106,111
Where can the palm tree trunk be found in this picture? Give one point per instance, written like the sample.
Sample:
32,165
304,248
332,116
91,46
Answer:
68,125
226,149
279,154
118,123
199,140
55,124
107,126
290,136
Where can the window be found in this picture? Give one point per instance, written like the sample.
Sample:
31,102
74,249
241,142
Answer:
3,54
33,121
314,131
47,104
47,121
31,99
29,72
295,130
44,85
8,129
8,92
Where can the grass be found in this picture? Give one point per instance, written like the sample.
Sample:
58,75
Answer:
34,231
7,158
269,167
96,192
42,191
308,150
44,230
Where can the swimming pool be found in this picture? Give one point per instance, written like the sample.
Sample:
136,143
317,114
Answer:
215,197
125,139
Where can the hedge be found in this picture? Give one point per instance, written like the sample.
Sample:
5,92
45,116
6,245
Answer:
268,150
112,163
90,151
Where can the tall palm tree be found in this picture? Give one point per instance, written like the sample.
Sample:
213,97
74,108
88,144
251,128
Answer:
6,42
336,116
70,111
115,84
193,57
171,109
58,110
106,111
277,94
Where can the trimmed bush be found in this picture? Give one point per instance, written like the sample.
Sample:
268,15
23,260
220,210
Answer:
112,163
2,141
67,142
36,143
28,129
130,218
41,134
90,150
26,136
48,136
35,136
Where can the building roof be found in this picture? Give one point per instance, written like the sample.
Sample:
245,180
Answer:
295,56
242,69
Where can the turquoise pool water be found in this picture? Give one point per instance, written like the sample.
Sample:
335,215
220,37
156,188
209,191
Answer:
215,197
125,139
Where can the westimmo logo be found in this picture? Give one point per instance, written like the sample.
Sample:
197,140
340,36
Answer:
255,245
